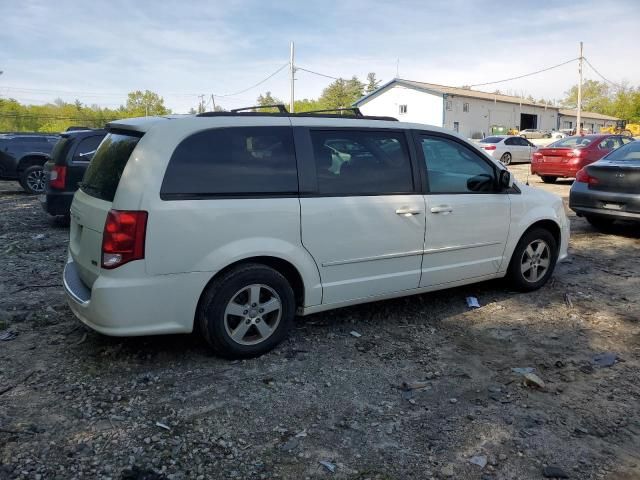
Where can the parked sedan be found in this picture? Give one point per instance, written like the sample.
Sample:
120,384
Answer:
609,189
508,148
565,157
533,133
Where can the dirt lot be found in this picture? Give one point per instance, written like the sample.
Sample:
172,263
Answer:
75,404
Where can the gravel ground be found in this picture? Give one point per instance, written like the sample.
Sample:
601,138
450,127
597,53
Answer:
426,391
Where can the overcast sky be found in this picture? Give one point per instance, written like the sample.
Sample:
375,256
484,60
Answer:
97,51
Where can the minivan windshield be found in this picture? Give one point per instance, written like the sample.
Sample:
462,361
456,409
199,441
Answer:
571,142
629,152
103,175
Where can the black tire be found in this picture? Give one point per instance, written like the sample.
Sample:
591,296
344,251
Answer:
515,275
600,223
506,158
212,321
32,179
548,178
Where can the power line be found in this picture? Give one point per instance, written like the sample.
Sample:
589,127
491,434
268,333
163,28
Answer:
317,73
239,92
526,74
602,76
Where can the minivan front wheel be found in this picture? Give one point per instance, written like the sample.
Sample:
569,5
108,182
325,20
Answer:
533,260
247,311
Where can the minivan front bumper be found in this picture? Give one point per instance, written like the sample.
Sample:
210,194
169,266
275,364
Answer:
140,305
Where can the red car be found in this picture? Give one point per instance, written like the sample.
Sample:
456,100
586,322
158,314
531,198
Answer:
565,157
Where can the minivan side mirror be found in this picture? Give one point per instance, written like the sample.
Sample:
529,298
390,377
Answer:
505,180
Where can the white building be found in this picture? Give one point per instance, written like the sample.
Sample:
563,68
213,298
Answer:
590,121
470,112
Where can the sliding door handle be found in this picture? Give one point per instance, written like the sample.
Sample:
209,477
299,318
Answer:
442,209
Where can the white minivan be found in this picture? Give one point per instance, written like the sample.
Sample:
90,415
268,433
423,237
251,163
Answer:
230,224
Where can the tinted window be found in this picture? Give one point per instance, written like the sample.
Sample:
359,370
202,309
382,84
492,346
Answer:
492,140
361,162
454,168
227,161
511,141
86,148
103,175
522,142
60,150
631,151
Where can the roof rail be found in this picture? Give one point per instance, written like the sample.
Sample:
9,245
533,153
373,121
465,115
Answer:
281,108
355,110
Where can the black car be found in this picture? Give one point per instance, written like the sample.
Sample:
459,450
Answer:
22,156
609,189
65,169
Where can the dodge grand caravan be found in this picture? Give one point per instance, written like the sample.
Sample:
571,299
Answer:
230,224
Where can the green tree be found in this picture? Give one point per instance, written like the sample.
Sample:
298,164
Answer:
140,104
372,82
268,99
342,93
596,97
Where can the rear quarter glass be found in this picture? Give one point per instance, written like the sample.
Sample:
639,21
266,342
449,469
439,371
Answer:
103,174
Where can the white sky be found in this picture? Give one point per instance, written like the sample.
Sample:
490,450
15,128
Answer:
98,51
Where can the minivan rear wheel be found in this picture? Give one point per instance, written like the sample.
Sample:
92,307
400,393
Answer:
247,311
533,260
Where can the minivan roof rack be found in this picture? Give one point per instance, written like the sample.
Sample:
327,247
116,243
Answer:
281,108
355,110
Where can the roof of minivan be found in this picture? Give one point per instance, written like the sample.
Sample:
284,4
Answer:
144,124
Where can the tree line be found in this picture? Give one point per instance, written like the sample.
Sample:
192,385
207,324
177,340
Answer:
620,101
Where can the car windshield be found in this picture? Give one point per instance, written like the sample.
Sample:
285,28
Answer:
629,152
571,142
491,140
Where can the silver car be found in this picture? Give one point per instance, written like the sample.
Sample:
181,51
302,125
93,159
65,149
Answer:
508,148
534,133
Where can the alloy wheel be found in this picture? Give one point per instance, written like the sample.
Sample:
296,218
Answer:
252,314
535,261
36,180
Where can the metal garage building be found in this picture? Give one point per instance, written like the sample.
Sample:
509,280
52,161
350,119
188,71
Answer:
470,112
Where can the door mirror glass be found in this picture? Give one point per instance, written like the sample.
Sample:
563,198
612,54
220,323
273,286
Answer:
505,179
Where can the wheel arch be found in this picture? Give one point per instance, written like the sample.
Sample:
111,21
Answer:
29,160
284,267
549,225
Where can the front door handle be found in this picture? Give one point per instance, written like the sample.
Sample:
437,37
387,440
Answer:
442,209
408,212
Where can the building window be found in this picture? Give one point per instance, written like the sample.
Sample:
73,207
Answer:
567,124
465,107
449,105
403,109
456,126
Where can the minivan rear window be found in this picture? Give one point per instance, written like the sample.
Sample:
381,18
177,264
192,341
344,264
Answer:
103,175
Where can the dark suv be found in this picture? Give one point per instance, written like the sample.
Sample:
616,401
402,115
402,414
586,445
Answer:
22,156
65,169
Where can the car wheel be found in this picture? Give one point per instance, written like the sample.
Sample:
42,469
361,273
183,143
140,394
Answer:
33,179
600,223
506,158
533,260
247,311
523,136
548,178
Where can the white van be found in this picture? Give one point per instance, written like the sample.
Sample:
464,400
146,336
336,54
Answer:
233,223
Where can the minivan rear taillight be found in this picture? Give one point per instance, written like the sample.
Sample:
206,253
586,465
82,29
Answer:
123,237
58,176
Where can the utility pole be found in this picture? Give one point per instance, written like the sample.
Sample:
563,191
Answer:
292,71
201,105
213,102
579,109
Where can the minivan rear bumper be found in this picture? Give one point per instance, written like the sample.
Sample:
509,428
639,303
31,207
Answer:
141,305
